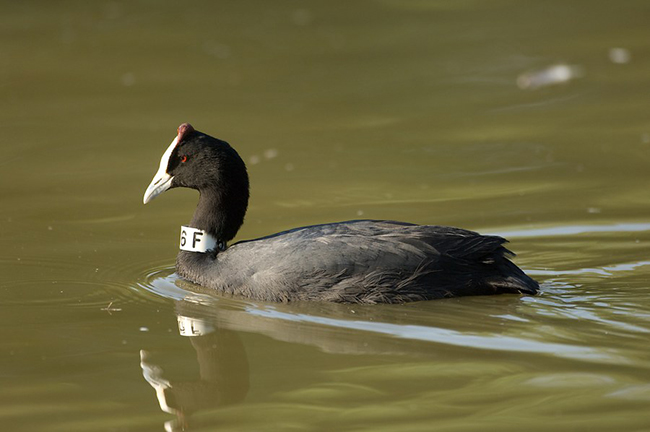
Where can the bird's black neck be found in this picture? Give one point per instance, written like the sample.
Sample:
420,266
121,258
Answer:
220,212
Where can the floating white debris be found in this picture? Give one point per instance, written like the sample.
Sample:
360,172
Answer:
619,55
551,75
110,308
270,153
144,329
254,159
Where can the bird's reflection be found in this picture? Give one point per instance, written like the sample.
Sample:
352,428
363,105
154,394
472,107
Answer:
223,369
213,325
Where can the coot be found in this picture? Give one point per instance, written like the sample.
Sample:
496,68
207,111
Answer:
359,261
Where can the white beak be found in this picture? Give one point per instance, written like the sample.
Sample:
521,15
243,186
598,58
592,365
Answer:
162,180
159,184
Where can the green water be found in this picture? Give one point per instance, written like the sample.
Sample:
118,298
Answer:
406,110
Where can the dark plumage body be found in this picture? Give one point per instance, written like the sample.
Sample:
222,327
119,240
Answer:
360,262
355,261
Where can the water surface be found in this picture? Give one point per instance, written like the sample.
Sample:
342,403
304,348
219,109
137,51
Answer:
409,110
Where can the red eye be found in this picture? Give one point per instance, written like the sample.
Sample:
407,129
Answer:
184,158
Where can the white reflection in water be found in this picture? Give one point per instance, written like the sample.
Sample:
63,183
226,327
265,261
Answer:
633,393
575,229
619,55
452,337
551,75
603,271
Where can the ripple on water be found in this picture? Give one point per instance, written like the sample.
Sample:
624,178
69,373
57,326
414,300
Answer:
564,230
575,379
572,318
56,280
387,321
167,284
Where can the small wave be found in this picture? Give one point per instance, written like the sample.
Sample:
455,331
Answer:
452,337
574,230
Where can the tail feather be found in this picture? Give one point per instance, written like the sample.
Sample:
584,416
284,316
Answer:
512,279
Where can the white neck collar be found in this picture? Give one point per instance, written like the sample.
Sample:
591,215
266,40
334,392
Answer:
196,240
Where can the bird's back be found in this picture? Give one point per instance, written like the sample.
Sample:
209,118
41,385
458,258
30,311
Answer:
363,262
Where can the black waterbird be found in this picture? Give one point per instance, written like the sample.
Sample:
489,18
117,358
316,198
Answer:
359,261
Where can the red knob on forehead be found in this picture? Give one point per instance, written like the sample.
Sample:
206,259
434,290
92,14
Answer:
183,130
